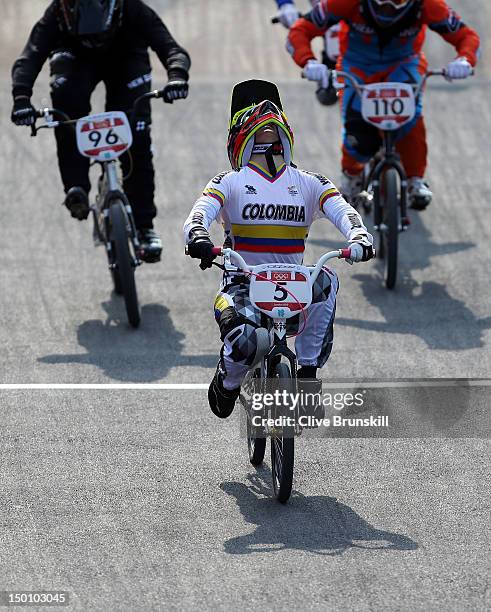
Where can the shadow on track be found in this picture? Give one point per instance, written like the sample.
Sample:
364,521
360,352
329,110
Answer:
415,246
125,354
318,524
413,309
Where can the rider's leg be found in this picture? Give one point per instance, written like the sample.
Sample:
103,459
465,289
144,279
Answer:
124,85
131,80
72,82
360,140
314,344
238,321
413,149
411,142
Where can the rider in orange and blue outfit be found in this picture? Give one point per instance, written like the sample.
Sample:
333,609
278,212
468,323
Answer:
383,42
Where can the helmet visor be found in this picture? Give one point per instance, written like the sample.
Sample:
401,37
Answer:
397,4
248,121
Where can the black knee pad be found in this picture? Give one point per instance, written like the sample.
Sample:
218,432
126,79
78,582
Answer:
361,136
243,344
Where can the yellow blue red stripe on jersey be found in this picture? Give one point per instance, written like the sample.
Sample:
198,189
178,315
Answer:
265,174
217,195
329,193
269,238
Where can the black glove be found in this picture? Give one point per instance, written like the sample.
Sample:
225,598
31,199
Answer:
23,112
176,89
361,249
200,247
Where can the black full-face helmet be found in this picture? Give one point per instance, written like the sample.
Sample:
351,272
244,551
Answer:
93,21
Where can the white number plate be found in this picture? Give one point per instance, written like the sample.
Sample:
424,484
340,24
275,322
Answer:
388,106
104,137
281,291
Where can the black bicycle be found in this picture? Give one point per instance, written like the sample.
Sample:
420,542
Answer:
104,138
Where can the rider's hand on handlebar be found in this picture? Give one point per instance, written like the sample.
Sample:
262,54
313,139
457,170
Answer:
316,71
459,68
288,15
23,112
361,249
176,89
201,247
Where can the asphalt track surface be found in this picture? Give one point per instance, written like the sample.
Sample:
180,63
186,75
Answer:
137,500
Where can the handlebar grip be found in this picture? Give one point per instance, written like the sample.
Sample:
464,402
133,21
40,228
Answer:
345,253
217,250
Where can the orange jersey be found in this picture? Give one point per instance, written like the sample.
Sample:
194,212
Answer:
362,43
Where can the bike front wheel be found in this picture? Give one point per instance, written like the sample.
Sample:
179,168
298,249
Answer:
389,228
282,441
123,270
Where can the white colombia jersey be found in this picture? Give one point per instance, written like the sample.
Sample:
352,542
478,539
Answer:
268,218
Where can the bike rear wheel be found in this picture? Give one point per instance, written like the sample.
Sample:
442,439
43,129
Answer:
282,442
124,271
389,231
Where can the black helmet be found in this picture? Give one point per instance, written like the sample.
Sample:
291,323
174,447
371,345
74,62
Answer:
94,21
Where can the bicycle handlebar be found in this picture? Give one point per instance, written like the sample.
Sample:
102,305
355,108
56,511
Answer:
417,87
360,86
53,112
241,264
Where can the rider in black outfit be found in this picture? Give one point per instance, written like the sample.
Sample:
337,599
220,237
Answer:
88,41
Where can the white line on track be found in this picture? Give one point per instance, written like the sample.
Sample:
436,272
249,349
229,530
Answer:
200,386
104,386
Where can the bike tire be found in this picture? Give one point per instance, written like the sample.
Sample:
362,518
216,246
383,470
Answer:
283,445
389,237
118,287
124,273
256,446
